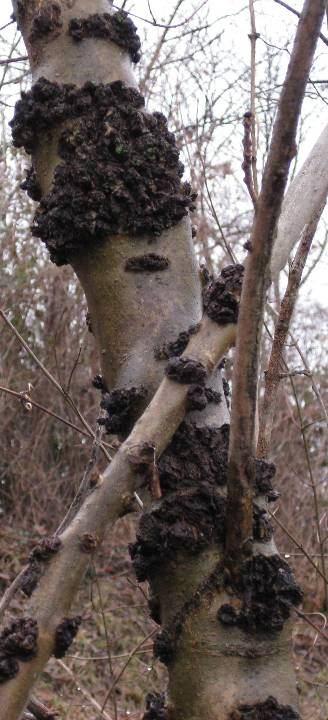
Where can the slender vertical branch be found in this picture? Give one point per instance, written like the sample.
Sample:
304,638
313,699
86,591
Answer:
253,36
282,150
273,374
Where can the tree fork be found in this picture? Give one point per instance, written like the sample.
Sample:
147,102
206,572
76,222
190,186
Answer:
205,643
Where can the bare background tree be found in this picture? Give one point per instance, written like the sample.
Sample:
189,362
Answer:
209,94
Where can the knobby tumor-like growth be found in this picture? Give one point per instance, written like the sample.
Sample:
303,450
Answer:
122,407
65,634
46,21
151,262
267,590
41,553
185,370
156,708
221,295
174,348
118,170
268,710
18,641
117,28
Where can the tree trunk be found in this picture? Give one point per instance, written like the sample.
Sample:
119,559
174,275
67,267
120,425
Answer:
226,645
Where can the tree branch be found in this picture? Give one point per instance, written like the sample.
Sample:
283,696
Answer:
305,196
111,498
282,150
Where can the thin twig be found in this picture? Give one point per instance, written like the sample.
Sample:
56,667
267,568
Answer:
297,543
245,375
309,622
51,378
321,540
298,14
273,374
84,691
131,655
8,61
247,164
109,654
253,36
46,410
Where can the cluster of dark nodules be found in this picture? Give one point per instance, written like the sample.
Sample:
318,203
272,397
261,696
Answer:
119,170
196,455
117,28
199,396
18,641
122,406
42,552
46,21
268,591
64,635
185,370
31,185
177,346
150,262
186,521
220,296
156,708
268,710
265,472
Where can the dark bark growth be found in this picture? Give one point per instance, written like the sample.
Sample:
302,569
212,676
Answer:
18,641
150,262
119,171
122,407
268,710
65,634
267,590
185,370
175,347
117,28
221,295
46,21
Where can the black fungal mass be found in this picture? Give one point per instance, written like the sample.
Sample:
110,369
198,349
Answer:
119,169
31,185
18,641
199,396
188,521
268,591
65,634
46,21
150,263
185,370
117,28
42,552
195,455
47,547
219,296
268,710
265,471
122,407
176,347
155,707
